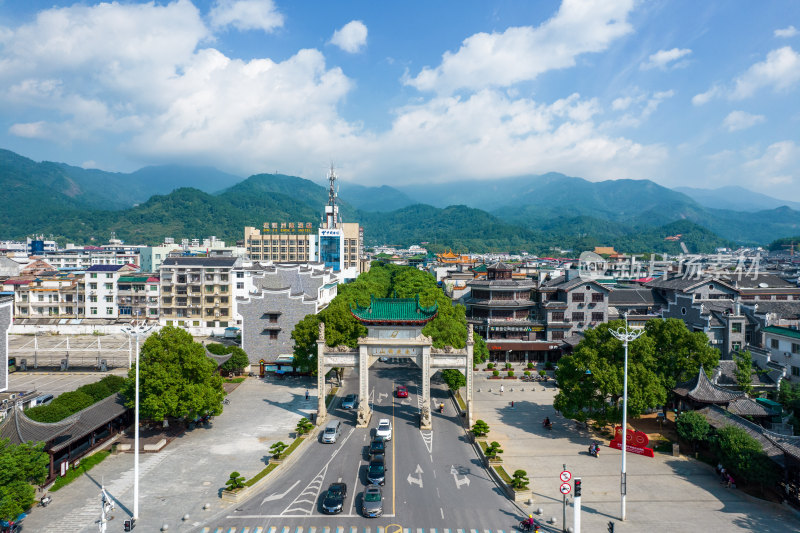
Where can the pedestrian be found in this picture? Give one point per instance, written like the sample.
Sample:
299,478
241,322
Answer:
502,389
306,394
730,484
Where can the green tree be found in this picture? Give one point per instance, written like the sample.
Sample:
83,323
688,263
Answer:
454,379
743,454
176,379
218,349
480,428
678,352
304,425
277,449
493,449
520,480
744,371
20,466
480,352
693,427
237,362
235,482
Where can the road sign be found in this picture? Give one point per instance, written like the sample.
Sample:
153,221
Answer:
565,488
565,476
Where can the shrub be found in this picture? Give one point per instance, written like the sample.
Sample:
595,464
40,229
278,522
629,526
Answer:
508,365
542,373
304,425
235,482
693,427
492,450
520,480
743,454
490,366
527,373
277,449
114,383
530,365
480,428
97,391
495,372
237,361
511,373
548,366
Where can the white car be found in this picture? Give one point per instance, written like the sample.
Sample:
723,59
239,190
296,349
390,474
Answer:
384,429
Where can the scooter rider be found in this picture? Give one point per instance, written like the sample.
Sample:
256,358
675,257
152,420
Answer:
546,423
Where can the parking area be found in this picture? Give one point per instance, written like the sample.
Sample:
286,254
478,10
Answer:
83,351
55,382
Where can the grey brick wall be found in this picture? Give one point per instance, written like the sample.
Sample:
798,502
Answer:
255,310
5,323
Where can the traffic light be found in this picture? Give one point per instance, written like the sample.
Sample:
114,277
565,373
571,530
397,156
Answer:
610,526
129,524
577,487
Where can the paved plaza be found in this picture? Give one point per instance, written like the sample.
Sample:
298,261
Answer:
665,493
187,473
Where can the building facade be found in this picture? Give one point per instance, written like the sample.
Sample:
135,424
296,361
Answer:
101,291
138,297
570,304
197,292
281,242
341,244
6,310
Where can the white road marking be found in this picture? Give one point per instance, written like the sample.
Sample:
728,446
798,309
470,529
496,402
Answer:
442,512
459,482
277,496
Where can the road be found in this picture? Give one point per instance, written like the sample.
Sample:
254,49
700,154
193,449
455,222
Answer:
434,479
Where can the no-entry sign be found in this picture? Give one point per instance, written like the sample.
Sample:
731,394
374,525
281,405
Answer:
565,476
565,488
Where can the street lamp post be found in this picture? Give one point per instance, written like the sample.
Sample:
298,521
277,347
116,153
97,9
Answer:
625,335
137,332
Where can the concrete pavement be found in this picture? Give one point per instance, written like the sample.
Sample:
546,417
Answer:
190,471
665,493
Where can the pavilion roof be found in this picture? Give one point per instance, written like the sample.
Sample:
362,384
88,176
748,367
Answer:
700,389
394,311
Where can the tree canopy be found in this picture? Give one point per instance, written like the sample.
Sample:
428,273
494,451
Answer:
20,465
591,378
69,403
449,328
237,361
176,378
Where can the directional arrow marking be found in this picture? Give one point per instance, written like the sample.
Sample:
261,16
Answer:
276,496
459,482
381,396
416,480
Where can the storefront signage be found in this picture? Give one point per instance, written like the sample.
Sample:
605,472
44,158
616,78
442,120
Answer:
287,227
377,351
330,232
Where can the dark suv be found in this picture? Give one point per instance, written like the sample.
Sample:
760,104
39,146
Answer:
377,447
334,498
376,471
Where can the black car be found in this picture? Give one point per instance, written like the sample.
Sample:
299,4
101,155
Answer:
376,471
333,503
377,447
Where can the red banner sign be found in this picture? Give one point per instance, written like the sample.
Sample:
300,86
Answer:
635,442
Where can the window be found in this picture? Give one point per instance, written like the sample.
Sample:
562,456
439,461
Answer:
239,275
93,310
558,335
109,310
796,371
240,285
195,323
795,347
93,275
577,296
736,327
711,287
774,344
598,297
273,319
153,287
737,346
109,299
93,286
109,276
597,317
683,310
577,317
109,286
93,299
558,316
273,335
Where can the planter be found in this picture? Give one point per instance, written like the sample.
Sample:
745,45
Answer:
232,496
510,377
494,377
521,495
274,461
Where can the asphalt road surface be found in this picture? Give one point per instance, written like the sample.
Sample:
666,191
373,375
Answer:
434,479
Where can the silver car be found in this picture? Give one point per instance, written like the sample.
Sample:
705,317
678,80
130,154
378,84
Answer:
350,401
372,502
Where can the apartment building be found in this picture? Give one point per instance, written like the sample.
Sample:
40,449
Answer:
46,297
86,257
101,290
6,310
153,256
281,242
138,296
197,292
570,304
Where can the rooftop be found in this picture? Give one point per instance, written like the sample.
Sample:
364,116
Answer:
780,330
394,310
702,390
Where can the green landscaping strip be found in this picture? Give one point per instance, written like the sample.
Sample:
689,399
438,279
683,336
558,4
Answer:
331,395
234,380
270,467
461,402
505,477
84,466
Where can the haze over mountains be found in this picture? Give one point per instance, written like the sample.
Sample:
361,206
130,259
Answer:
532,213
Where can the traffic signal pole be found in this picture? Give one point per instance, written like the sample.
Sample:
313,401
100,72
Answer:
576,506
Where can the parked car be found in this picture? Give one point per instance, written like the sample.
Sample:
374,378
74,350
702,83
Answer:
350,401
384,429
377,447
331,432
372,502
401,391
333,503
376,471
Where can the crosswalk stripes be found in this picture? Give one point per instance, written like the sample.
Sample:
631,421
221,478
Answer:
338,529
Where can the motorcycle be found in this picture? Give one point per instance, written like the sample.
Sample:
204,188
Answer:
594,450
547,424
441,408
45,501
526,527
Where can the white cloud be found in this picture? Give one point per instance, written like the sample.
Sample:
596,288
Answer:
741,120
780,71
246,15
622,103
522,53
30,130
665,58
352,37
791,31
775,166
638,107
89,164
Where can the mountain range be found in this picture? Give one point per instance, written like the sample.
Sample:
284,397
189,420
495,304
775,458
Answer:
534,213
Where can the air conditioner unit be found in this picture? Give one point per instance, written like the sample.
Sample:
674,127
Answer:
216,304
216,314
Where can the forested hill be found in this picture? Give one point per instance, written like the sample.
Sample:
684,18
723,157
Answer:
77,205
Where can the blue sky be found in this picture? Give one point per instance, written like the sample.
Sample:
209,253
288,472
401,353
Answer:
685,93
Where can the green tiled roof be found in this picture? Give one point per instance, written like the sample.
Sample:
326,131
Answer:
133,279
780,330
480,268
394,310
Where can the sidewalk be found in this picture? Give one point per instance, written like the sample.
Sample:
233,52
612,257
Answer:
188,472
666,493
